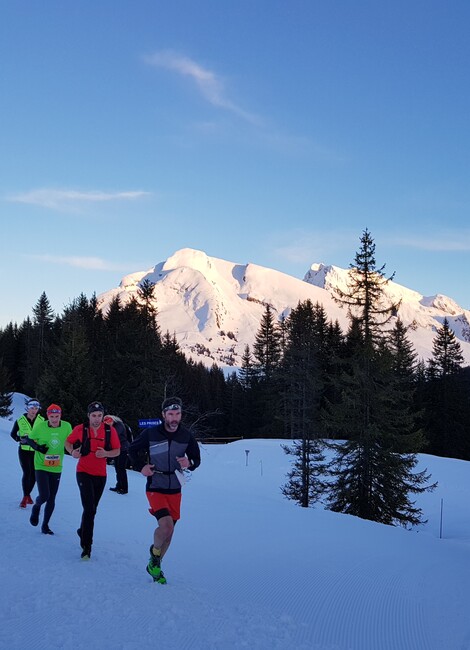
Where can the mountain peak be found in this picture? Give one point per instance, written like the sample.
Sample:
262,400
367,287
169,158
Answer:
214,307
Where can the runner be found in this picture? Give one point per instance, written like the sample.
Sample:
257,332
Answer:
170,448
22,428
95,442
47,439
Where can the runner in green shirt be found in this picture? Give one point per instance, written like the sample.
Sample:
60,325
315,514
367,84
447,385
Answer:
47,440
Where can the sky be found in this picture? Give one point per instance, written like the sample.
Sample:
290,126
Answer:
258,131
247,569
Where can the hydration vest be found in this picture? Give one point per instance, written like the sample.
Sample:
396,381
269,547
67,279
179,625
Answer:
85,444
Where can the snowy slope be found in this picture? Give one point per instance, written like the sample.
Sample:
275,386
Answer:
422,315
214,307
247,568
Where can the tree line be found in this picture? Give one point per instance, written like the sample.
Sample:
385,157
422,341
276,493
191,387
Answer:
358,405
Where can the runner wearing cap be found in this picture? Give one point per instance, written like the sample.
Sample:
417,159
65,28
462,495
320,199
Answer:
47,439
22,429
92,443
170,448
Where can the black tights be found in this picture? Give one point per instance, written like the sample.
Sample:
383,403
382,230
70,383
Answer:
91,488
48,484
27,465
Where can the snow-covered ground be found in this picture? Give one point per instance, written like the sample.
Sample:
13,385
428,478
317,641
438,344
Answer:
247,568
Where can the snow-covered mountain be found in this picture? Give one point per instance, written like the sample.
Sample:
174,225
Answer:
214,307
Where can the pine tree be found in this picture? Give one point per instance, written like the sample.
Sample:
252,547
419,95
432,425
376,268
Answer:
404,355
365,293
40,339
446,398
250,418
370,478
247,374
146,297
267,345
267,355
302,371
447,356
303,368
410,435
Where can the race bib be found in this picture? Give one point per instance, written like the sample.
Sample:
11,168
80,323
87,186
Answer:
52,460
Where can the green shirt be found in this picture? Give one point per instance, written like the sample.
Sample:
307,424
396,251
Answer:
54,438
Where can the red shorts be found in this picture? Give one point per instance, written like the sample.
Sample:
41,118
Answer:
164,505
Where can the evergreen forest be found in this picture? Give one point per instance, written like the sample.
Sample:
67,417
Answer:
359,397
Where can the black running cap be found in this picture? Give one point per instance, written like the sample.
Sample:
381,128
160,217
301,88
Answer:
95,406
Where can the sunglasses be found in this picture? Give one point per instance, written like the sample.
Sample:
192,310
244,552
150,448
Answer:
172,407
54,411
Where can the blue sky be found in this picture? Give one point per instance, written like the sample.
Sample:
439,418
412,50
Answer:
255,130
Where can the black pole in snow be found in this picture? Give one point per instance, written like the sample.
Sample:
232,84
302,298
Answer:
440,527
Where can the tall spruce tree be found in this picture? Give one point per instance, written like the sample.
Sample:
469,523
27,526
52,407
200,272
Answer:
267,345
447,358
370,478
365,294
247,374
267,355
40,339
250,419
302,371
446,398
403,380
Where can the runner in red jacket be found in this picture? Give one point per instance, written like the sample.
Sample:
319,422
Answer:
92,443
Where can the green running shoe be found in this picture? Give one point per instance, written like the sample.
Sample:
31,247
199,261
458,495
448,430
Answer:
154,567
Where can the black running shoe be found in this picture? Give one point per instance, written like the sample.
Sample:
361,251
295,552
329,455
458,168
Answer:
86,553
34,519
45,530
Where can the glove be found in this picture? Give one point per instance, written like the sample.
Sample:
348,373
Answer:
42,448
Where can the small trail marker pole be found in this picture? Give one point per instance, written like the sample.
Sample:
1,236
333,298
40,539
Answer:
261,464
247,451
440,526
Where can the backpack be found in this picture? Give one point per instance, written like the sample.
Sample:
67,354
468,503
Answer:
85,444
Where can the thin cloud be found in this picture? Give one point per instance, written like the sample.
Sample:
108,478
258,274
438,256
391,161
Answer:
439,243
210,85
304,247
63,199
86,263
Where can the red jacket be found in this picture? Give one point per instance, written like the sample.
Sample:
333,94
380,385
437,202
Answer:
90,464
